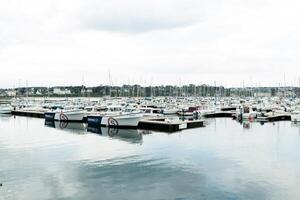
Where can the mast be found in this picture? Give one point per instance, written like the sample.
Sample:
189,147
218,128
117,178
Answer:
110,82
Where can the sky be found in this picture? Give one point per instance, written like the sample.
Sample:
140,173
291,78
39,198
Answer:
149,42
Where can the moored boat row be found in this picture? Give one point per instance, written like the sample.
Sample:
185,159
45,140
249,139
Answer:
129,111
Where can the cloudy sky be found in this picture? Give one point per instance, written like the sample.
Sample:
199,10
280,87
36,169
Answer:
71,42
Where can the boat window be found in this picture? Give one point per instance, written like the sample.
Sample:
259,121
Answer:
147,111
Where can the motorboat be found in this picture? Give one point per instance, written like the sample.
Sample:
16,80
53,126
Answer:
116,117
151,112
66,114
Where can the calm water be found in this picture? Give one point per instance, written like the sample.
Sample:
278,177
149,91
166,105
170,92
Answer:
224,160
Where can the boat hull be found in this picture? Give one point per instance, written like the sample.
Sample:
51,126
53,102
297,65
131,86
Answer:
120,121
65,116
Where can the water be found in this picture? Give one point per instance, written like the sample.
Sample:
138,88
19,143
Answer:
224,160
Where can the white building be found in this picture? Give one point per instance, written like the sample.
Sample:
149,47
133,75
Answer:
61,91
11,93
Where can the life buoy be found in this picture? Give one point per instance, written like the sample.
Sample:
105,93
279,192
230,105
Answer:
112,122
250,118
63,117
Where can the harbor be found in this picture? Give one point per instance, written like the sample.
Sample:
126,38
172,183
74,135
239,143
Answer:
149,100
159,113
233,145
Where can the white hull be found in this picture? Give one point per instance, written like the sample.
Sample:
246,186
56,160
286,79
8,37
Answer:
69,116
121,120
66,115
185,113
170,111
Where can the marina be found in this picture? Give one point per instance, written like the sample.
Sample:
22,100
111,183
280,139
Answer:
154,113
149,100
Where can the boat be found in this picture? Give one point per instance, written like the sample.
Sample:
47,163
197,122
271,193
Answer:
170,111
151,112
246,113
115,120
116,116
190,111
68,115
5,109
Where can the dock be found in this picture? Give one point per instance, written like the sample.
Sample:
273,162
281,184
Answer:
35,114
219,114
169,126
280,117
164,124
158,124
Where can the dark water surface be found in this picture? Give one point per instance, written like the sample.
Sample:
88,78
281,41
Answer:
224,160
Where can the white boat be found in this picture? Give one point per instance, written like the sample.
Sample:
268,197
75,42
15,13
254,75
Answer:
115,117
189,111
246,113
122,120
5,109
170,111
151,112
69,115
115,120
295,115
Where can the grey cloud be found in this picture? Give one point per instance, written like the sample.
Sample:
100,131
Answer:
135,16
135,24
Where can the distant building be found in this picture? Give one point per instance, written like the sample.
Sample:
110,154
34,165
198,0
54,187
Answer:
262,94
61,91
11,93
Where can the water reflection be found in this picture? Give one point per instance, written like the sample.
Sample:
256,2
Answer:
128,135
220,161
5,117
246,125
73,127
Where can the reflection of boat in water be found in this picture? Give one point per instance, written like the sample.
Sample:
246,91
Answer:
5,117
71,126
246,125
129,135
66,115
295,124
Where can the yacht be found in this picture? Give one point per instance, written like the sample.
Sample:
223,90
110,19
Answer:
115,117
151,112
66,114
